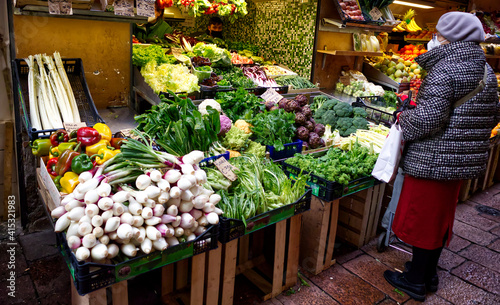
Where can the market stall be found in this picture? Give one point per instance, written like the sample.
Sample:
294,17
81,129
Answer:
224,149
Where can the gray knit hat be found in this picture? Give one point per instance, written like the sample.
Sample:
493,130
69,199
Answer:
458,26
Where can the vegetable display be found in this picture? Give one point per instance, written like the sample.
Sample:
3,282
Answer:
295,81
273,128
239,104
141,55
338,165
341,116
261,186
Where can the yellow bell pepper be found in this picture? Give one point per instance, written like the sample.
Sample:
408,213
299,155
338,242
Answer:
68,182
107,154
93,149
103,130
53,152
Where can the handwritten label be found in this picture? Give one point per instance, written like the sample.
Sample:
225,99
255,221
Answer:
271,95
124,8
345,80
375,14
60,7
146,8
225,168
73,126
129,134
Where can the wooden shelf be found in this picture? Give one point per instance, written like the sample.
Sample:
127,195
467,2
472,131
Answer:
372,27
492,56
349,53
417,40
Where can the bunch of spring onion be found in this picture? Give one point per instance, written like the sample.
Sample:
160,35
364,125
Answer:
155,212
51,99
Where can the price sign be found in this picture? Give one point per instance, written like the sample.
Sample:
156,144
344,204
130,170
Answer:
129,134
271,95
375,14
124,8
345,80
73,126
225,168
146,8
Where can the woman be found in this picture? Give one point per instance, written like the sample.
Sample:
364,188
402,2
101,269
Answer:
444,145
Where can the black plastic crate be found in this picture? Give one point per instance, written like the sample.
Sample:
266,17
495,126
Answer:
92,276
374,114
289,151
76,76
231,228
210,160
329,190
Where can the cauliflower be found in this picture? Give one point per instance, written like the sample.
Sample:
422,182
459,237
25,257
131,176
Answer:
235,139
243,125
225,125
209,102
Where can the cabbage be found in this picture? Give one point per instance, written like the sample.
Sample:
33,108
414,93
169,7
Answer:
176,78
218,56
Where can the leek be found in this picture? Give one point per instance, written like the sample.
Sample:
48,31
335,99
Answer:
46,123
67,87
34,112
58,88
48,98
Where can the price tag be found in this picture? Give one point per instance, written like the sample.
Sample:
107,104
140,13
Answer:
128,133
271,95
146,8
73,126
60,7
345,80
124,8
225,168
189,22
375,14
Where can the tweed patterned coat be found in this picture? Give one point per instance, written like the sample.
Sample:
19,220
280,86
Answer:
443,143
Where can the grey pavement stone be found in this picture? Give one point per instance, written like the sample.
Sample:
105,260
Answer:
467,213
459,292
473,234
51,275
38,245
450,260
7,260
479,275
482,256
457,243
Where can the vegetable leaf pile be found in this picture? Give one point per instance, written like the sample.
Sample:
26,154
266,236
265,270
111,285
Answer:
141,55
178,127
274,128
338,165
239,104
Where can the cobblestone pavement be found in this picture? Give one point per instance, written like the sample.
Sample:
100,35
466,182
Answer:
469,269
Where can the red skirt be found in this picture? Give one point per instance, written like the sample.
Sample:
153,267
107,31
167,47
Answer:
426,211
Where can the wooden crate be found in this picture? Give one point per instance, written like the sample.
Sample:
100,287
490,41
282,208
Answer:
318,235
258,263
469,187
359,214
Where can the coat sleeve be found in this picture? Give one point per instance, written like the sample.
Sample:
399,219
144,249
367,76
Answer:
433,109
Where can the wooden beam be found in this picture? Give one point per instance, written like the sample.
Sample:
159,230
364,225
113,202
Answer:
279,258
213,280
97,297
231,249
167,279
182,274
198,279
334,216
119,293
292,263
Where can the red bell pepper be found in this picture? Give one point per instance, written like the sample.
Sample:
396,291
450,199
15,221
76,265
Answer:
88,136
117,142
59,137
51,166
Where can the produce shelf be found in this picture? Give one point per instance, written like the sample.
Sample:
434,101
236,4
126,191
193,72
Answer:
492,56
349,53
417,40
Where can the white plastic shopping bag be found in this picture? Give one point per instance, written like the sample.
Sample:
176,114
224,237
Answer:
387,163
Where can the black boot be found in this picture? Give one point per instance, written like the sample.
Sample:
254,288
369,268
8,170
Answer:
430,284
398,280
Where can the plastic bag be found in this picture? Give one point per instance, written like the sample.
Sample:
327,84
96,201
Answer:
388,160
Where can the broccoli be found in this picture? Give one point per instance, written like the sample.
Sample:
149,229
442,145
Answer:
330,104
343,110
328,118
360,123
345,127
359,112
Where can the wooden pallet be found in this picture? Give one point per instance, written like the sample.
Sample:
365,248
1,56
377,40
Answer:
119,295
253,256
318,235
359,214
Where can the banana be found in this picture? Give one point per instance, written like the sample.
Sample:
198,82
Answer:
414,26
